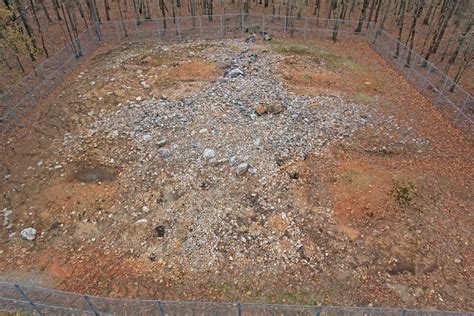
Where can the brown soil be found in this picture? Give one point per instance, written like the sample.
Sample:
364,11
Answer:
406,209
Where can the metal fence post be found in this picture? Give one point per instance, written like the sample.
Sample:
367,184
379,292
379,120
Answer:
25,297
178,30
305,27
162,308
440,93
317,311
158,29
239,309
200,26
461,111
92,307
222,26
117,30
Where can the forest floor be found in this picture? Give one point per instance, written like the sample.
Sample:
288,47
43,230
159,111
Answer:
267,171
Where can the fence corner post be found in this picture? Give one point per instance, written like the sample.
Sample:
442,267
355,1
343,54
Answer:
162,308
25,297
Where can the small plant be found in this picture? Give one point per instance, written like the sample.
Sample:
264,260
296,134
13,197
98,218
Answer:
403,193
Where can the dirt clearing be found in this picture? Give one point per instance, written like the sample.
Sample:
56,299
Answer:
267,171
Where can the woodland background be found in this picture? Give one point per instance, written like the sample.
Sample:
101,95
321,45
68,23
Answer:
32,30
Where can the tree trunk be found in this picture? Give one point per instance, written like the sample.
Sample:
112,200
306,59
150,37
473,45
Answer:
411,35
460,42
429,27
26,23
56,9
448,45
163,12
382,23
107,9
45,10
371,12
40,31
352,8
81,12
440,30
400,20
378,11
340,12
362,16
462,67
193,12
121,18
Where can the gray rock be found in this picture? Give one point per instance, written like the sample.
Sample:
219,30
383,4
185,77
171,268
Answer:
165,152
267,37
6,213
147,137
242,169
208,154
294,175
28,233
161,143
236,73
145,85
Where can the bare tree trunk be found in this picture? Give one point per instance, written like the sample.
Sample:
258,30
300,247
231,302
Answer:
362,16
72,19
411,35
19,63
371,12
382,23
107,9
340,12
464,34
429,27
163,12
137,12
462,67
45,10
428,12
40,31
352,8
440,30
26,23
400,21
377,12
81,12
121,18
448,45
56,9
193,11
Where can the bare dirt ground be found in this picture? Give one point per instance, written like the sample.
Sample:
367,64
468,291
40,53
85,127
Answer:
319,176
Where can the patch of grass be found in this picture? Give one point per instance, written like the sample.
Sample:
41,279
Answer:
403,193
363,97
355,177
333,60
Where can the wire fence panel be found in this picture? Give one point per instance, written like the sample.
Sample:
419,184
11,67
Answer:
42,301
441,90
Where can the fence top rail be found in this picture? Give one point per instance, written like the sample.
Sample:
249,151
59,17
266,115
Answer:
224,15
11,286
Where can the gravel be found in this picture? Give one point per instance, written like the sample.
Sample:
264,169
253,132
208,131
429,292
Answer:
222,189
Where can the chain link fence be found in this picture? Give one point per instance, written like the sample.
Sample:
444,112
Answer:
453,101
42,301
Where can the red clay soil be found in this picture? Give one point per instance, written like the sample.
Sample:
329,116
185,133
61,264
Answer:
405,210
